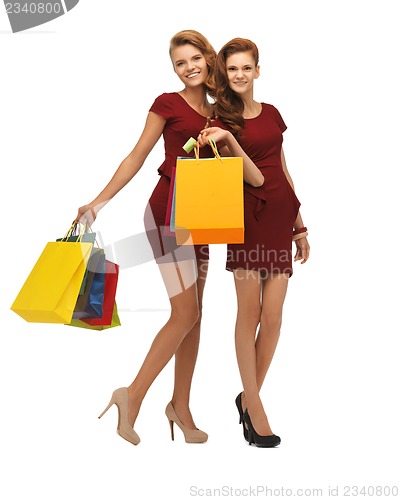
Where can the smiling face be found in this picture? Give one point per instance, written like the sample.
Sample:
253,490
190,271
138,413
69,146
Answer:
241,70
189,64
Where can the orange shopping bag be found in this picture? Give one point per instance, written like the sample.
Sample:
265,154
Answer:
209,200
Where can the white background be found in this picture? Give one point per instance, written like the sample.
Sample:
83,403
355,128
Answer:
74,97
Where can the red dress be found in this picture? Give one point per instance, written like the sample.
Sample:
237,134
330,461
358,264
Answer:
182,122
270,210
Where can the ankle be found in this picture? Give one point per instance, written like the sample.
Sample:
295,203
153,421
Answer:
180,403
182,410
134,396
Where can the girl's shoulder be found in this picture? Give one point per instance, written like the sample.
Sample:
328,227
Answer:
165,104
169,95
166,97
268,107
270,111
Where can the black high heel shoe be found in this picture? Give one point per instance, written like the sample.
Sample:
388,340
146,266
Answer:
260,441
238,402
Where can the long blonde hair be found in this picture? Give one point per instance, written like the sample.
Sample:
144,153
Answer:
199,41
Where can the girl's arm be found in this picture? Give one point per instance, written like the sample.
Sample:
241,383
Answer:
251,173
128,168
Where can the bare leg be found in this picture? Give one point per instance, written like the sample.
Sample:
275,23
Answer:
248,292
186,356
274,290
184,315
273,297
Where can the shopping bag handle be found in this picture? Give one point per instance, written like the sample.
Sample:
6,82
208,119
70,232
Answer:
213,147
88,229
72,231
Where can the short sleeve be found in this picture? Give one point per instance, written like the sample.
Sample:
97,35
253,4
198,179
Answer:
163,106
279,120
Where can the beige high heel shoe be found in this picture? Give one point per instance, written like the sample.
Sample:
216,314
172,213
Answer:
120,398
191,435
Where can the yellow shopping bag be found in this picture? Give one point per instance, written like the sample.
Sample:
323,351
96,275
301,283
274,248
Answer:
209,200
50,292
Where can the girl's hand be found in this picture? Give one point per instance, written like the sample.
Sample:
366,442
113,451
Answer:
86,215
303,250
209,122
215,133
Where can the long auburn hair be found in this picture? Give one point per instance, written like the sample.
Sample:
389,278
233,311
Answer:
199,41
229,106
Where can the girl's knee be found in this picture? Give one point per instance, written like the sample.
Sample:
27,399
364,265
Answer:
249,316
186,318
271,321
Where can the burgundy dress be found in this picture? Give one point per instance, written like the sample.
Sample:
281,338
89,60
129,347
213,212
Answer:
270,210
182,122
